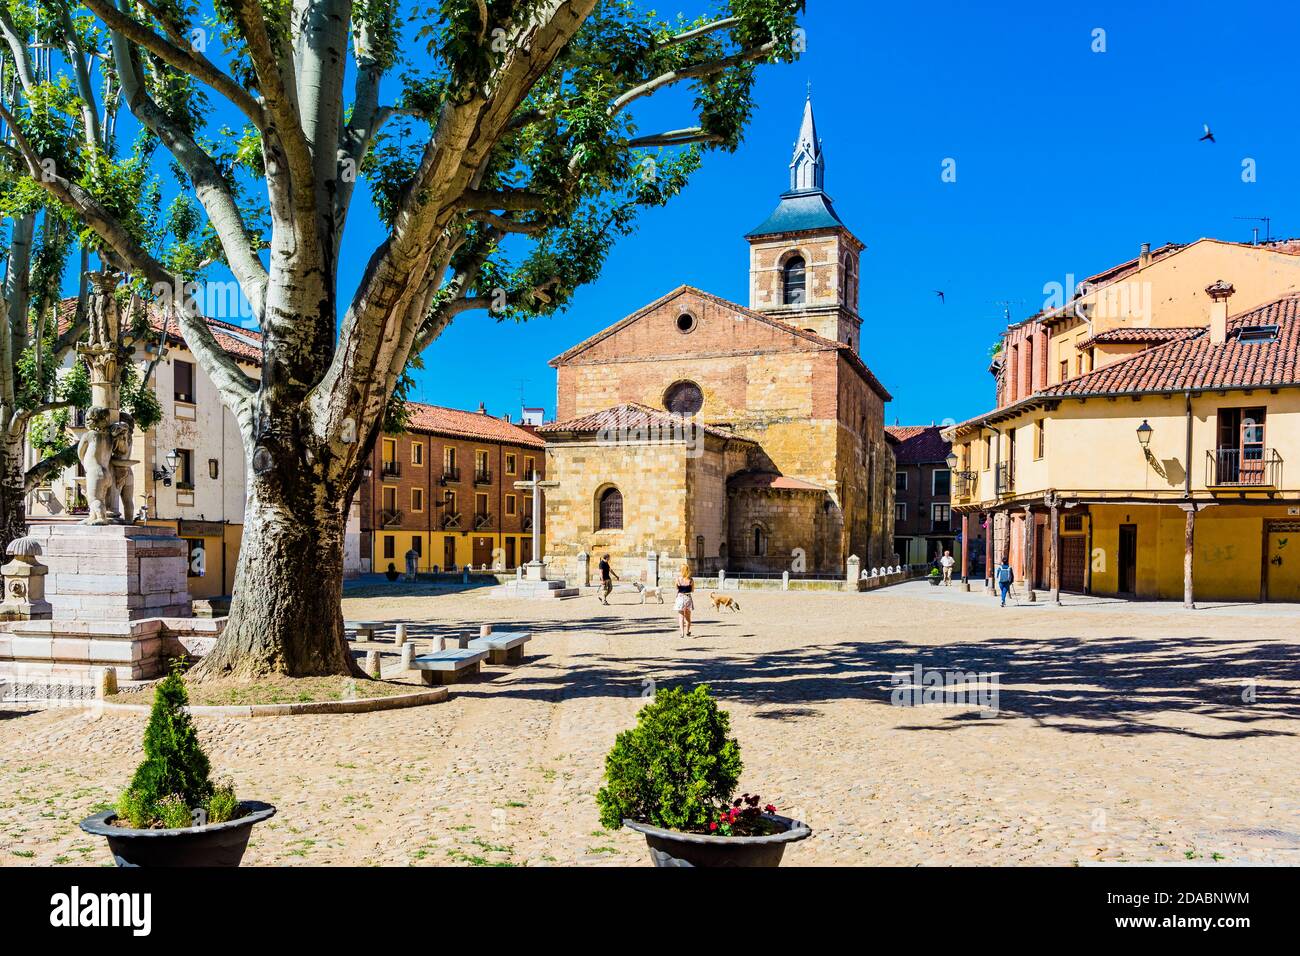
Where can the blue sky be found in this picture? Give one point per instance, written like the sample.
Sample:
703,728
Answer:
1066,159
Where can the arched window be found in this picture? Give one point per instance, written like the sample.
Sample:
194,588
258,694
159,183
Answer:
760,541
611,510
793,281
683,398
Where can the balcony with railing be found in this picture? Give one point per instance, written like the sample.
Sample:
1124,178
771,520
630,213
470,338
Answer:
450,473
482,476
390,469
963,489
390,517
451,521
1005,478
1253,467
482,521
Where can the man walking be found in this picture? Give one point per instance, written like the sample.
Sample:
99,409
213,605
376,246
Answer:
1003,575
946,563
607,579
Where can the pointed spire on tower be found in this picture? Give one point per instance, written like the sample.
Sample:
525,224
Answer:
808,167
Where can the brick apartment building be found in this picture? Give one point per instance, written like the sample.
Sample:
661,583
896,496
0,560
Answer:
446,487
923,524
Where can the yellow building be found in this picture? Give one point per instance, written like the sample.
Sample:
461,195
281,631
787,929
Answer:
1140,447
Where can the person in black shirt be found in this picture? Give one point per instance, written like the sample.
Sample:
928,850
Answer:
607,579
685,602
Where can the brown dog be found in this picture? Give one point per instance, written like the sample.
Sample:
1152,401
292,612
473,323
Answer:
722,600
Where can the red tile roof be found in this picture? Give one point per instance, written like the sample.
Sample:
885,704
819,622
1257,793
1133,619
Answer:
1130,336
767,479
847,350
244,344
918,444
1194,362
455,423
631,417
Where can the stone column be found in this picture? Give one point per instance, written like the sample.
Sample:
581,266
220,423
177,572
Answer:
854,569
652,569
1028,556
722,578
584,568
965,551
1189,550
1054,573
785,580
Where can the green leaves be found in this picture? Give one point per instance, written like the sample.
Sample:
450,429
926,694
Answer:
675,768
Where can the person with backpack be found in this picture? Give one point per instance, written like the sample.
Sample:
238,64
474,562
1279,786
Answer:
1003,575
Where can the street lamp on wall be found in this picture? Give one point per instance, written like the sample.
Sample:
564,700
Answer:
953,462
1144,434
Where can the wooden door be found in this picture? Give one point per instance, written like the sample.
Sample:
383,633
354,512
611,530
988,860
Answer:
510,553
1073,555
1128,559
1282,555
482,552
449,553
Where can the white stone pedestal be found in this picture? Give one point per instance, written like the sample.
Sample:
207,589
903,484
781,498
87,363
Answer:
113,572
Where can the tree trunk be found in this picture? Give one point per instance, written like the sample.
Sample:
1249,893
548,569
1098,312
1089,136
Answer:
13,495
286,615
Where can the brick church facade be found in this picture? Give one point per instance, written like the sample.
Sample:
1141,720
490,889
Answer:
745,438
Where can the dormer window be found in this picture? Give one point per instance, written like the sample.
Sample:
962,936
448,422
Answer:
1258,333
794,282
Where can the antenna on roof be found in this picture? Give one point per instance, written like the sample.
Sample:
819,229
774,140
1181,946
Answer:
1006,307
1268,227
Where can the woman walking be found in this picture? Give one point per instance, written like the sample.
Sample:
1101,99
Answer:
685,603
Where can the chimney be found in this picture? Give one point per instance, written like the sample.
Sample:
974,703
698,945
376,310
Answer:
1144,257
482,409
1219,294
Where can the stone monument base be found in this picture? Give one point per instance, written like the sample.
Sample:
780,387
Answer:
113,572
541,590
77,650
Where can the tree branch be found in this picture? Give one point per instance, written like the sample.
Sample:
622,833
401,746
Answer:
676,137
707,68
193,63
236,388
51,465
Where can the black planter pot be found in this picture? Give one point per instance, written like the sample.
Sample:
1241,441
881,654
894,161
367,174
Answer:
217,844
934,581
671,848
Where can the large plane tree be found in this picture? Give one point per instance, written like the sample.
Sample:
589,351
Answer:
501,144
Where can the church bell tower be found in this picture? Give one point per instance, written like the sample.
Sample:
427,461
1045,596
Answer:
803,261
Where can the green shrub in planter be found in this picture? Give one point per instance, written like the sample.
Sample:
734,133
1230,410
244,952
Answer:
174,777
675,767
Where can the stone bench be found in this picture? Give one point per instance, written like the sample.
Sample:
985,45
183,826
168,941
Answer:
361,630
503,647
449,666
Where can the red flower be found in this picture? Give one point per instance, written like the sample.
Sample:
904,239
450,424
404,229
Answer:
713,826
770,809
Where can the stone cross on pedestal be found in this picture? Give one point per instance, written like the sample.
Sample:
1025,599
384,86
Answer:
536,569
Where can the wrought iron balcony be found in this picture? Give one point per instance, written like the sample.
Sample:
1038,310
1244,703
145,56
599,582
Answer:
450,474
482,521
451,520
1005,478
390,469
390,517
482,476
1243,468
963,488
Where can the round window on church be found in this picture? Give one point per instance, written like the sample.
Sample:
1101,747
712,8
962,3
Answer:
683,398
685,323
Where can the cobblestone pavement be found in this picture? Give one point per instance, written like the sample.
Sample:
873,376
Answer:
1118,736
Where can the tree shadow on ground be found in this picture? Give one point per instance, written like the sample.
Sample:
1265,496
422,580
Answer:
1112,685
